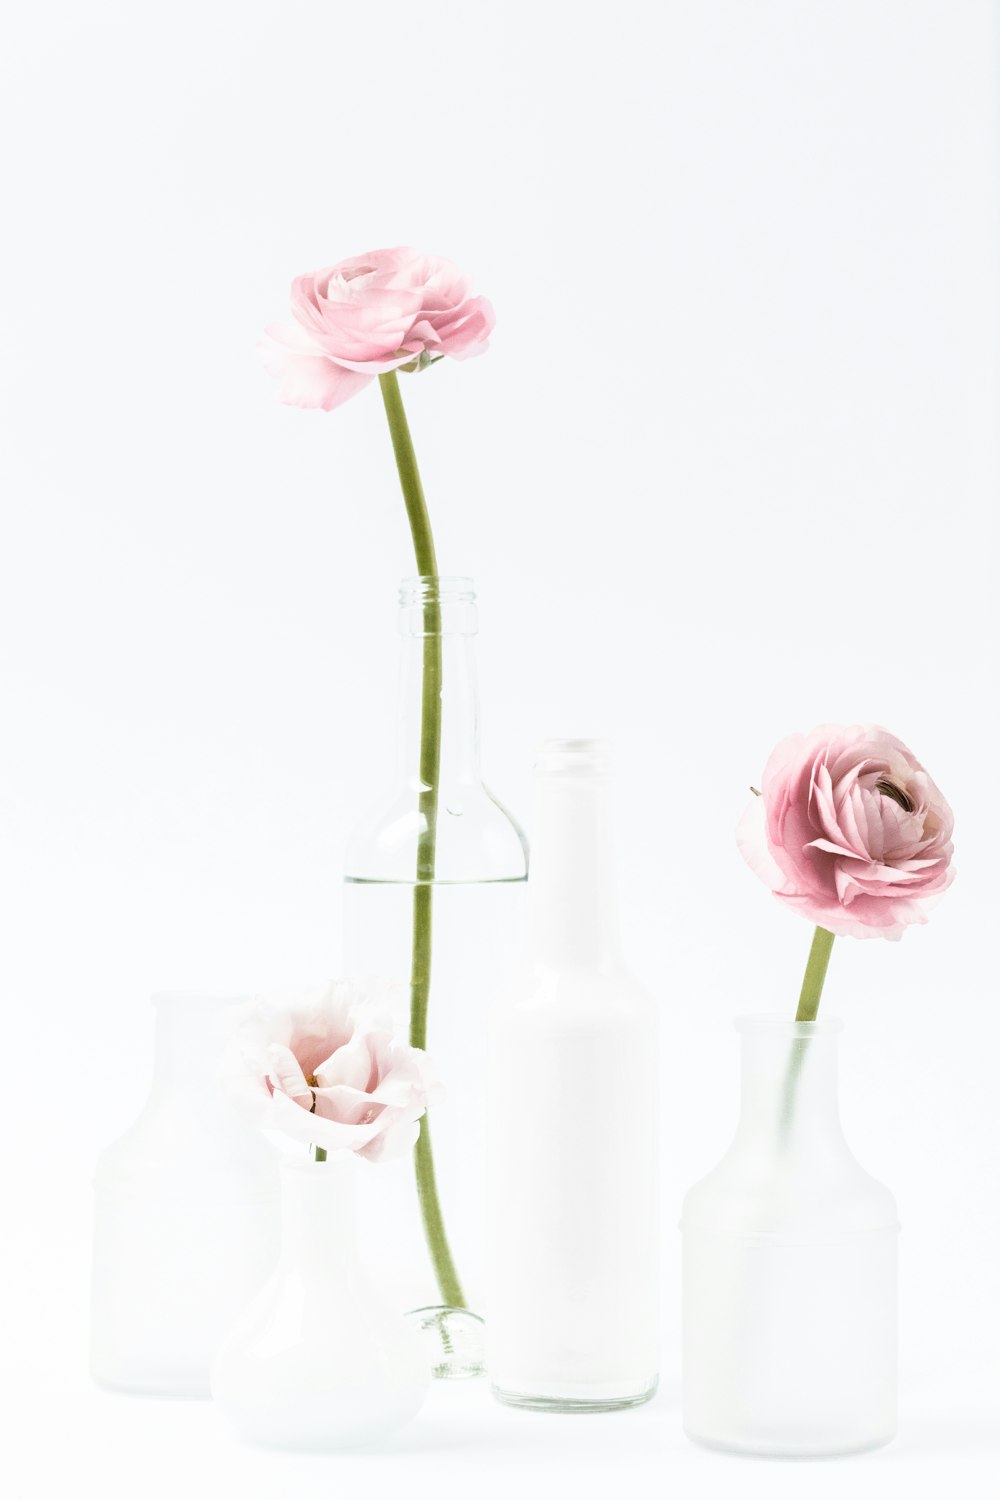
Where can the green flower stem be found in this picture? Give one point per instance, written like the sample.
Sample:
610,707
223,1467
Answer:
812,981
809,998
430,767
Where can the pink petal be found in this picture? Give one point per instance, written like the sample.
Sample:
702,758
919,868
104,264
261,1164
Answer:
286,1075
347,1106
751,839
831,848
350,1065
309,380
298,1124
394,1142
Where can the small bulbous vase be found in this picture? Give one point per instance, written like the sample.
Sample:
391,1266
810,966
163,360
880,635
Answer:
318,1361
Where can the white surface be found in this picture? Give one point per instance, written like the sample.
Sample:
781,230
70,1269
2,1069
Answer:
728,470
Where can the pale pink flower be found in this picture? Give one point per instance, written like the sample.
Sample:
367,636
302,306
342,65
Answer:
321,1066
850,831
365,316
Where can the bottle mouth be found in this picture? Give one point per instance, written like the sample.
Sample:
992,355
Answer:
775,1025
576,757
436,590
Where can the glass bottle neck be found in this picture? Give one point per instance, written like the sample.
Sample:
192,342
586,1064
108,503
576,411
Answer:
573,891
318,1212
459,710
789,1079
438,626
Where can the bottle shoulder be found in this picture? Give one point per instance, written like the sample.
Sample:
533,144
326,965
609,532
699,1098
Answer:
176,1140
476,838
771,1187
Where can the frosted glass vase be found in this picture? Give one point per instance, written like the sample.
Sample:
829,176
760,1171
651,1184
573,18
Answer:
186,1219
475,906
319,1361
789,1267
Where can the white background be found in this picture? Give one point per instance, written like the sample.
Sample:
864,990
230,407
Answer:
727,471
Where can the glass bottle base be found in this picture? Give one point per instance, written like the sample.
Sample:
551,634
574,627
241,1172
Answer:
776,1448
453,1341
148,1387
598,1400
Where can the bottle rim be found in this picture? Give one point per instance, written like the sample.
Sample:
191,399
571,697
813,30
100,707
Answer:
436,589
771,1024
574,757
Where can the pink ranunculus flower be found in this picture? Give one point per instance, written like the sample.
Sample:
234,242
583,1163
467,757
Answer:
321,1066
370,314
850,831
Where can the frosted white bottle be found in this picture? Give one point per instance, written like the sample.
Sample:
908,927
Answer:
572,1317
186,1214
789,1267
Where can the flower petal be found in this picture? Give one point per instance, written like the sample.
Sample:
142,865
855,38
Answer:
751,839
309,380
842,850
286,1076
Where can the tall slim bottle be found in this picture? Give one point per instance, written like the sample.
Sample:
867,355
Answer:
573,1305
476,922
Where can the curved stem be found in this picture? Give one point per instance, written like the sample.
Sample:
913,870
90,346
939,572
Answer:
430,769
430,1207
409,476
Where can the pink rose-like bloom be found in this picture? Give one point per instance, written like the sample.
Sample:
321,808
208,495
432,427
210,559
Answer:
850,831
365,316
322,1067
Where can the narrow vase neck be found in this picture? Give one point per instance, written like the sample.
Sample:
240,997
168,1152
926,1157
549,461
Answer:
789,1080
318,1212
439,614
572,886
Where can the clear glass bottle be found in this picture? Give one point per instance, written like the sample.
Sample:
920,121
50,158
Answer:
572,1154
476,906
789,1305
186,1214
